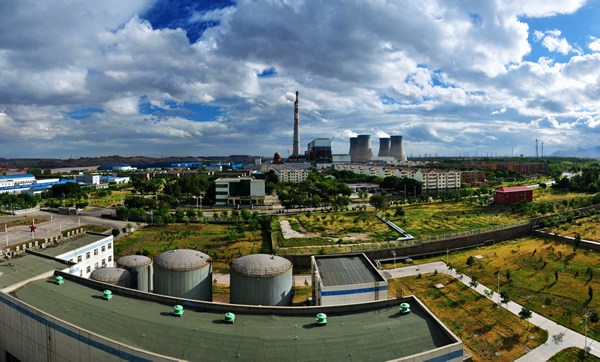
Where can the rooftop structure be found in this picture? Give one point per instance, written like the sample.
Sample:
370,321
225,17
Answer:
340,279
19,269
136,326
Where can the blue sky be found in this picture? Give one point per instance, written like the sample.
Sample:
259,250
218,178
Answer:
188,78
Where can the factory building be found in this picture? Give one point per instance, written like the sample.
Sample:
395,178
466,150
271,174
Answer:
344,279
12,180
45,318
512,195
88,179
319,151
240,191
335,159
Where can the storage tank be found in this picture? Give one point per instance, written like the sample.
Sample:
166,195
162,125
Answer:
352,152
363,148
261,279
140,268
384,147
110,275
183,273
397,148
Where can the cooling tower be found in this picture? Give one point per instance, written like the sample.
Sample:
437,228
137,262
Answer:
352,152
397,148
363,148
384,147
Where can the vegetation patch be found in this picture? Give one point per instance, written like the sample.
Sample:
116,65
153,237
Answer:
572,354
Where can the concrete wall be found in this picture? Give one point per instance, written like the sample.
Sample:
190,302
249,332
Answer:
303,260
353,293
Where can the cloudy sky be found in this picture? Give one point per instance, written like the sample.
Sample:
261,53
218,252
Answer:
178,78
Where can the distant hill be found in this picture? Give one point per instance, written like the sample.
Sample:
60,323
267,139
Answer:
592,152
117,160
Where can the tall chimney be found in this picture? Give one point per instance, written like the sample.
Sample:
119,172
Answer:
297,126
384,147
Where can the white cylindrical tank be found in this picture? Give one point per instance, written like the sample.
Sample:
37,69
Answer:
183,273
261,279
140,268
110,275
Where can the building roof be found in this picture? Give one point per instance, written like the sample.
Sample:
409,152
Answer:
346,270
86,239
200,334
110,275
16,177
512,189
25,267
182,260
261,265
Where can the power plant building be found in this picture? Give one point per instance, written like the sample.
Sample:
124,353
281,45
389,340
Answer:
240,191
344,279
319,151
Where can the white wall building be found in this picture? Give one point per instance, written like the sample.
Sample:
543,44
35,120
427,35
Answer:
90,252
88,179
240,191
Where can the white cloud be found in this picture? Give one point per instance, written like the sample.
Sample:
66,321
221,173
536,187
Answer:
126,106
556,44
594,44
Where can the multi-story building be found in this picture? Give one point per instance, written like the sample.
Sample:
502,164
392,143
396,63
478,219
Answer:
88,179
436,181
521,167
473,178
291,174
240,191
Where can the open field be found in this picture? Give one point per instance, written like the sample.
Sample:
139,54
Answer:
573,354
552,195
115,198
586,227
535,264
23,221
301,295
484,328
218,241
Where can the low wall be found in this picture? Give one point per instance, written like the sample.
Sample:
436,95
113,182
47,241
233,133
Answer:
586,244
303,260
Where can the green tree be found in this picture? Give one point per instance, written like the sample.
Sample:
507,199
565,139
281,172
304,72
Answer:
473,283
525,314
471,261
179,215
115,232
379,202
591,292
224,215
190,213
235,215
556,274
578,239
504,297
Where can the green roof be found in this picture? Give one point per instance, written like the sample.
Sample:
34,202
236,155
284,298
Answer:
25,267
346,270
370,334
73,244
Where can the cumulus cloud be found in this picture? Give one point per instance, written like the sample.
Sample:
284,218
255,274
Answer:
594,44
553,42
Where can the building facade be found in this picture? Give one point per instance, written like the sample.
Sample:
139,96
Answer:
511,195
437,181
240,191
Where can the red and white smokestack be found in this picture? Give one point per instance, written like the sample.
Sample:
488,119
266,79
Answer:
297,126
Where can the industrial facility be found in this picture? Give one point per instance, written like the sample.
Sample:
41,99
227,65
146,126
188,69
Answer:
391,148
261,279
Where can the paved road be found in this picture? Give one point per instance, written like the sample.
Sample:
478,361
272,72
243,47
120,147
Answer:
559,337
49,229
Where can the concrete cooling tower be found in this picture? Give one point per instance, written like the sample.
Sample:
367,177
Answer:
363,148
352,152
384,147
397,148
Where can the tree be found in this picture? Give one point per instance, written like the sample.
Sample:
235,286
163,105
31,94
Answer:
591,292
504,297
179,215
578,239
129,226
473,283
542,185
379,202
235,215
525,314
556,274
190,213
116,232
471,261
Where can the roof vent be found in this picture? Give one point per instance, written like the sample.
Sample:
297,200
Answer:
178,310
321,319
404,308
107,294
59,280
229,317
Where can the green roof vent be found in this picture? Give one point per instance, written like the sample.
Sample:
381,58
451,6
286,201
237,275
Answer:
59,280
404,308
107,294
322,319
178,310
229,317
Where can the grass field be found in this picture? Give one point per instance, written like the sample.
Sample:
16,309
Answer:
534,264
212,239
573,354
587,228
23,221
552,195
484,329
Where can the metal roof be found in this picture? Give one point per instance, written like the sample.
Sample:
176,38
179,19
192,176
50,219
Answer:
261,265
345,270
182,260
110,275
373,334
17,176
133,261
512,189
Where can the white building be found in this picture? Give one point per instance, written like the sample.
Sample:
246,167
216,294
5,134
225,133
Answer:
240,191
291,174
18,179
124,168
115,179
436,181
88,179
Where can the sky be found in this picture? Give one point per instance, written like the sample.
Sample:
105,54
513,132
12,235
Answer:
187,78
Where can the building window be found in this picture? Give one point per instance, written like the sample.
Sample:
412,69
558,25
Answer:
95,251
109,259
88,269
79,259
81,273
109,245
103,248
96,265
87,255
103,261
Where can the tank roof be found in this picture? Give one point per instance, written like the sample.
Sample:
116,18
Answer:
110,275
261,265
134,261
182,260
